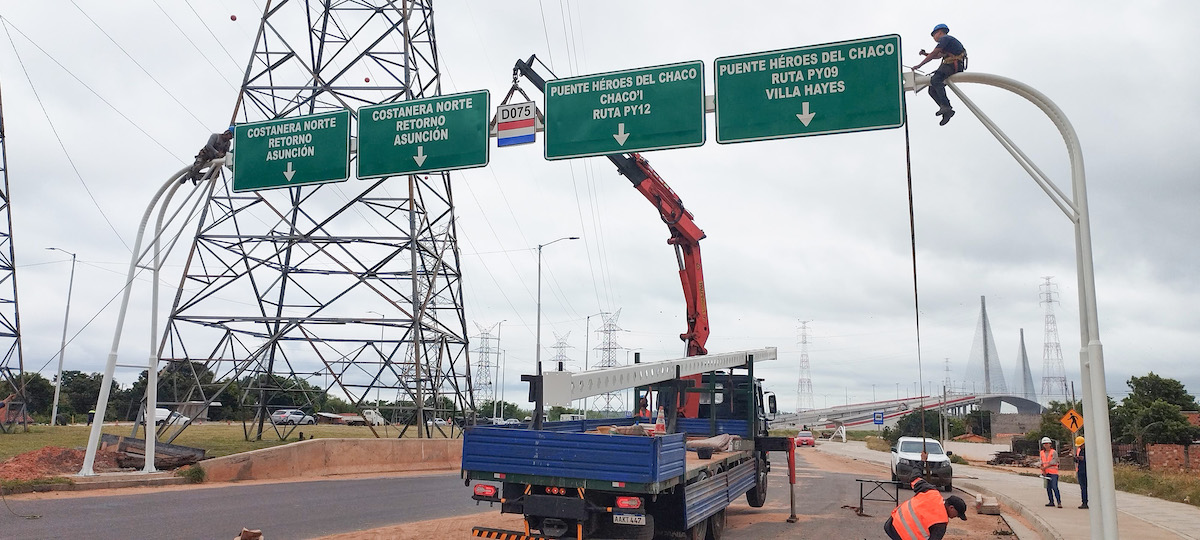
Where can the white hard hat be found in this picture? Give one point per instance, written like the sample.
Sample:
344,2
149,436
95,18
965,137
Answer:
1046,440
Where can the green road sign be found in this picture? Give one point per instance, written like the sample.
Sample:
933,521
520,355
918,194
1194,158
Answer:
290,152
626,111
816,90
421,135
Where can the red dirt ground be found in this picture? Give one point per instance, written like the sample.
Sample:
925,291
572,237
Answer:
53,461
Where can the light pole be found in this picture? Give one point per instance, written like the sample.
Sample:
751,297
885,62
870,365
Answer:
500,381
537,413
381,356
62,348
587,334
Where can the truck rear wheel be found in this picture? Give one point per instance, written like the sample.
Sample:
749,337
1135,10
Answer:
757,496
716,525
699,531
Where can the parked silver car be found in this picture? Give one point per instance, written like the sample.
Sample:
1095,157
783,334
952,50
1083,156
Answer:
291,416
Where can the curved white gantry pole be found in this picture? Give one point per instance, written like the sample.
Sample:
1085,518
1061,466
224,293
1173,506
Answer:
1102,487
168,188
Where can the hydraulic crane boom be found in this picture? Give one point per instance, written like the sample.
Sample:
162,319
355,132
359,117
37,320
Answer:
685,235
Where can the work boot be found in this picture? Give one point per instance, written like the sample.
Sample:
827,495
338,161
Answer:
1083,506
1050,504
946,117
942,111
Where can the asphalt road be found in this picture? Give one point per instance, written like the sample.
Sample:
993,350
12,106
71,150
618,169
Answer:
287,510
824,504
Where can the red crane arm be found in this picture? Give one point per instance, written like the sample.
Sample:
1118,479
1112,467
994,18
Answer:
685,236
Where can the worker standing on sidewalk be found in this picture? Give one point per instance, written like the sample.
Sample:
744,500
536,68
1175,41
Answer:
925,515
1081,471
1049,459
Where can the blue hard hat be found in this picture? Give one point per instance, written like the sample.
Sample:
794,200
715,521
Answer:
940,27
232,126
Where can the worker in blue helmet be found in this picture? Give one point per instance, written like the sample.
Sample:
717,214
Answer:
954,60
216,147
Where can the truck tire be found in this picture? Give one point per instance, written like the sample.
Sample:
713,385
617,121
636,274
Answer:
716,525
757,496
698,531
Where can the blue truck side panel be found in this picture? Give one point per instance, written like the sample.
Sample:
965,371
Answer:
590,456
707,497
703,427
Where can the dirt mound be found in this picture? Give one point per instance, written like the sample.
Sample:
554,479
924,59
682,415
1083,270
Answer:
53,461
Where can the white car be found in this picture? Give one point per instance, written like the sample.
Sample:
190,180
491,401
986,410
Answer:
167,416
906,462
291,416
373,417
512,421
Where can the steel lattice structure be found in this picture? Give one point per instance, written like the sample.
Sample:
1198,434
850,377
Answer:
349,288
611,403
804,390
1054,376
12,363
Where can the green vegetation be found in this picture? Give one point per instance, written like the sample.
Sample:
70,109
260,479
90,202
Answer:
917,424
959,460
1172,487
193,473
1152,412
878,443
23,486
218,438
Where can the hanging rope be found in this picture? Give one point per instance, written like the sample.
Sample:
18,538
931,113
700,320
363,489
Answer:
912,229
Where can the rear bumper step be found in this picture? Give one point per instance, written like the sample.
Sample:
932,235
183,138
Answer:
501,534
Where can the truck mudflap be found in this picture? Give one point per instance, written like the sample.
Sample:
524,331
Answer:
501,534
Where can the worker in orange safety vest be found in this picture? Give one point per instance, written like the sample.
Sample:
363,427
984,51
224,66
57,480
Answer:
1049,462
925,515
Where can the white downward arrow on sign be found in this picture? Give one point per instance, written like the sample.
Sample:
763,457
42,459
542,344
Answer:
621,135
420,157
289,173
806,116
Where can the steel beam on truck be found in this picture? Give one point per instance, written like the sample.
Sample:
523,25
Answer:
562,387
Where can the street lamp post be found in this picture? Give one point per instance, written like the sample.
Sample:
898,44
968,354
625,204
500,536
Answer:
587,334
537,413
381,356
62,349
499,384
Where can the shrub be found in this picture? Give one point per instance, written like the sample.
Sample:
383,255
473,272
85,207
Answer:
193,473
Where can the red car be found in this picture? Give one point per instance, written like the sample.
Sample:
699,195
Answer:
805,438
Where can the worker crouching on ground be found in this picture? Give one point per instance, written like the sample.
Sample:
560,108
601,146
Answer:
1049,462
954,60
1081,471
216,147
925,515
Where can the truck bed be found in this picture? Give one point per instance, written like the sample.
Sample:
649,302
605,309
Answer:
556,456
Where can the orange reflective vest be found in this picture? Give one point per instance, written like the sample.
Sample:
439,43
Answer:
913,519
1049,461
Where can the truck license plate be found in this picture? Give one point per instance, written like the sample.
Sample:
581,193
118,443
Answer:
629,519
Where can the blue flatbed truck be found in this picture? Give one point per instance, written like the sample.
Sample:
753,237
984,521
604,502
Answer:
570,481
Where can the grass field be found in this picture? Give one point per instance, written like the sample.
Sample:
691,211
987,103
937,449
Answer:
218,439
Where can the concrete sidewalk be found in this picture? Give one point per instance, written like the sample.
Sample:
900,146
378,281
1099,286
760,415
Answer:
1140,517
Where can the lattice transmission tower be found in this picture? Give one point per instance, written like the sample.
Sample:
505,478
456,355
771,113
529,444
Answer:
1054,376
560,359
12,363
804,391
357,282
485,363
611,403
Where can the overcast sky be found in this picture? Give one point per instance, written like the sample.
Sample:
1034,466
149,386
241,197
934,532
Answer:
800,229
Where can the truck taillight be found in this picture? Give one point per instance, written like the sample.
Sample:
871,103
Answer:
628,503
485,490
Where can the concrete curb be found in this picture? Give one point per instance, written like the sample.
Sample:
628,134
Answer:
1043,528
78,485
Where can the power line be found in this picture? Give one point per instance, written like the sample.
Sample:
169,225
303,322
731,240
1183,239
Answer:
54,130
139,65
